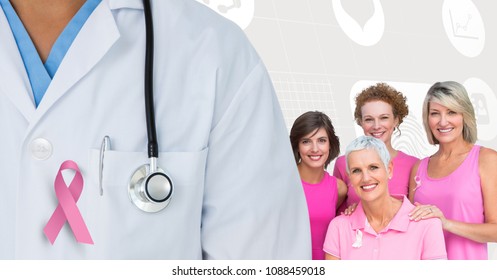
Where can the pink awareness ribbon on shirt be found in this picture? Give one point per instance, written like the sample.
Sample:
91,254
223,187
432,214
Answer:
66,209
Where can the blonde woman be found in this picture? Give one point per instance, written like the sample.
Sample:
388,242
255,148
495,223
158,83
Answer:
457,184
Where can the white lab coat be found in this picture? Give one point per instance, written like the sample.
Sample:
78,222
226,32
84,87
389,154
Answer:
221,134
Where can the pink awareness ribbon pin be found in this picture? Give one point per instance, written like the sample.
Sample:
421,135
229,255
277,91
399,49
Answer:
67,209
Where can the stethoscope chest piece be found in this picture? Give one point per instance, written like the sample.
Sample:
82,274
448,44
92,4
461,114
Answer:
150,191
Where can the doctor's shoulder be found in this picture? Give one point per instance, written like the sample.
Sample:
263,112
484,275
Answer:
206,40
199,23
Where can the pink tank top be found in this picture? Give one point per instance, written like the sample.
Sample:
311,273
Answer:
321,202
459,197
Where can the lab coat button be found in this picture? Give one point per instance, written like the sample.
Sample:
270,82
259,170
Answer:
41,149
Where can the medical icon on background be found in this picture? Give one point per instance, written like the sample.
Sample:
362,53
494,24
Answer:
464,26
367,34
481,109
484,100
239,11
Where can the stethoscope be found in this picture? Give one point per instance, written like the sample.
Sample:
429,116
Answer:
150,189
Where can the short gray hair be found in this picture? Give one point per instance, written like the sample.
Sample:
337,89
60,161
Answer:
367,142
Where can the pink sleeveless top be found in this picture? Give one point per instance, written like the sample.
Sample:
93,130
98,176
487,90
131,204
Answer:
459,197
397,185
321,202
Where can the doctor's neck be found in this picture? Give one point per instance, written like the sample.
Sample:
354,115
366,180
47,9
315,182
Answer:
45,20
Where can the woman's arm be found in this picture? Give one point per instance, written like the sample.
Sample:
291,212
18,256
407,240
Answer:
342,192
339,168
330,257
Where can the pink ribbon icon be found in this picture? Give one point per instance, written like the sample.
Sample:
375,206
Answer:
67,209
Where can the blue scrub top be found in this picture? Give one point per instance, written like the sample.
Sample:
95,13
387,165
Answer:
40,75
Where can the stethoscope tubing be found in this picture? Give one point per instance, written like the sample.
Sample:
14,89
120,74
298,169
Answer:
153,146
150,188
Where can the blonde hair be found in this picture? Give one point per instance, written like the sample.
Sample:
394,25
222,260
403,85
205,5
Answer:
454,96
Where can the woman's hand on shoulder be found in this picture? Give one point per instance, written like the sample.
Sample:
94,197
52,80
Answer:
422,212
349,210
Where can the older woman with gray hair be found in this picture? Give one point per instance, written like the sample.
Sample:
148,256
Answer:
380,225
457,184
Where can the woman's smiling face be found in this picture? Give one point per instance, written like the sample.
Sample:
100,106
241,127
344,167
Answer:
368,174
378,120
314,149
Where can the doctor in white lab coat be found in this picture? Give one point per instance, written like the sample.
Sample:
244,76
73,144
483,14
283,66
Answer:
221,134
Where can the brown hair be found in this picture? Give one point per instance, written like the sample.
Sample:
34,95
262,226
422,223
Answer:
309,122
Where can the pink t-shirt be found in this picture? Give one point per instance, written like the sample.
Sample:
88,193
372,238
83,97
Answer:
321,202
397,185
352,238
459,197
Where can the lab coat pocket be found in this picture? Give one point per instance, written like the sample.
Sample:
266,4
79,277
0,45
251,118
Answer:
124,231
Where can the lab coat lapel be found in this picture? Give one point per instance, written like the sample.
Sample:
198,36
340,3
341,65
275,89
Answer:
14,82
94,40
